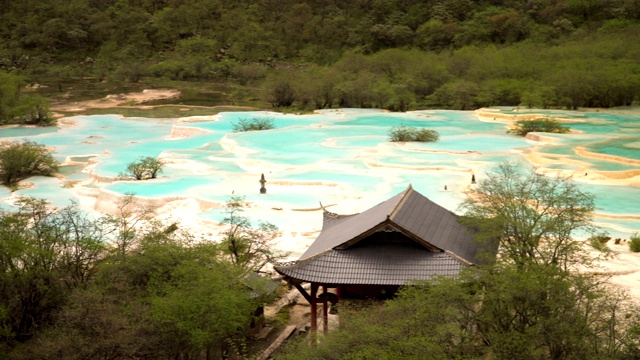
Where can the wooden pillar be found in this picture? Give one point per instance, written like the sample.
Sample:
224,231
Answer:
314,306
325,310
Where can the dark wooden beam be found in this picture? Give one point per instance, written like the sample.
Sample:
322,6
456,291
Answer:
303,292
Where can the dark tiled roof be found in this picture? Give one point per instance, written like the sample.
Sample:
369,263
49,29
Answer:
436,225
374,264
416,216
331,219
346,228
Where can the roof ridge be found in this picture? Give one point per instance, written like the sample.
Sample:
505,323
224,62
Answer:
400,202
460,259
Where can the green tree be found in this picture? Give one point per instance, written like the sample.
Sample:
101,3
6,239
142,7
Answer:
45,254
356,90
460,95
200,308
249,248
279,91
531,303
436,34
538,96
19,160
316,87
503,313
146,167
120,313
18,107
534,217
548,313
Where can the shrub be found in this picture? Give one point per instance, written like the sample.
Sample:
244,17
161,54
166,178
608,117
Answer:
634,243
405,133
253,124
599,242
523,127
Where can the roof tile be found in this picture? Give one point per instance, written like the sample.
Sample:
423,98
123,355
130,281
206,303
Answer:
389,264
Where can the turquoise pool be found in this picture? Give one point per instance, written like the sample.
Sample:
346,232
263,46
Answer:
334,156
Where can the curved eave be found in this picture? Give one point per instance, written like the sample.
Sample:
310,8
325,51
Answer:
387,264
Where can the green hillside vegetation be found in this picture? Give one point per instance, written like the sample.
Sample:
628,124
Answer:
20,107
391,54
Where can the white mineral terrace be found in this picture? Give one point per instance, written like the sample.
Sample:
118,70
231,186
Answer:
341,158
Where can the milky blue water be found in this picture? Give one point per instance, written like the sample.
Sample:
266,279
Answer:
332,157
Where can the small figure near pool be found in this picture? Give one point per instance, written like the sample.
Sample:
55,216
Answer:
263,190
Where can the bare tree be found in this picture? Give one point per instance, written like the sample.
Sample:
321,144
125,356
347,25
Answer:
130,218
248,247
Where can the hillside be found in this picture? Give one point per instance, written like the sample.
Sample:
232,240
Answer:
396,55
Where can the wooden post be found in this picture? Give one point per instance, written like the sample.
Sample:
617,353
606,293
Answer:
325,310
314,306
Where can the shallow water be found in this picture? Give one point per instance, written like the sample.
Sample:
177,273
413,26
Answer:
336,157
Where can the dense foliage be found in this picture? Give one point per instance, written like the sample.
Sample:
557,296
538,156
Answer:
20,107
19,160
395,54
406,133
74,286
536,315
533,302
523,127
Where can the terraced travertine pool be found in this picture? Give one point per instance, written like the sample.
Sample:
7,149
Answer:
341,158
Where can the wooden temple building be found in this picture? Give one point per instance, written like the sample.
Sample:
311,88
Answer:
371,254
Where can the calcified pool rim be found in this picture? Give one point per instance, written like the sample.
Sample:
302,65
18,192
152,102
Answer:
340,157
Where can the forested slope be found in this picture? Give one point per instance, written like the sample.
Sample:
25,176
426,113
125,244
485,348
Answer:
394,54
